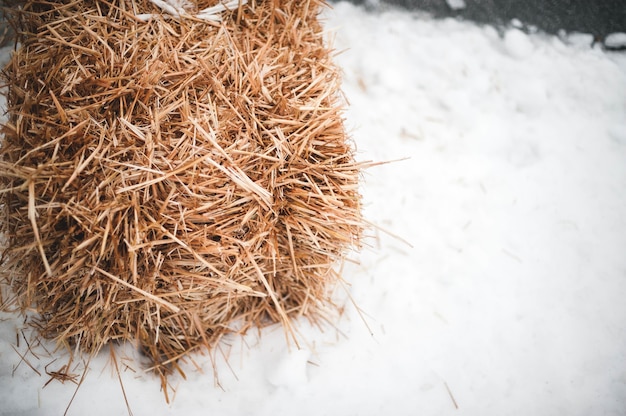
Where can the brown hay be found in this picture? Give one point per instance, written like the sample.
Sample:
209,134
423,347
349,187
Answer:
168,180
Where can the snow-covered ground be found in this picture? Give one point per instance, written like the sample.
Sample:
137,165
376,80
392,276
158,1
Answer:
510,298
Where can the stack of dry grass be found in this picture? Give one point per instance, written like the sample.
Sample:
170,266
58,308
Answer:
167,179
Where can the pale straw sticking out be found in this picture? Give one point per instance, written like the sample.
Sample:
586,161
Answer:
179,8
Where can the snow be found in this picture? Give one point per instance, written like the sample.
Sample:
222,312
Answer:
456,4
509,298
583,40
616,40
518,44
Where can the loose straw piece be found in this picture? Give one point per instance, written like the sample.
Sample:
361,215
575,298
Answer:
32,216
150,296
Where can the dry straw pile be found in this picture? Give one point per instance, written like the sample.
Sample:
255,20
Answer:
167,176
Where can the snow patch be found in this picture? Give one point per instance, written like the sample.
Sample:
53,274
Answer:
290,369
580,40
518,44
616,40
516,23
456,4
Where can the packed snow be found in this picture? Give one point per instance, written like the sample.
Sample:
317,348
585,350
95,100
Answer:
616,40
456,4
495,281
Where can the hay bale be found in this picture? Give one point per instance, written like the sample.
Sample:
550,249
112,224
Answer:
166,179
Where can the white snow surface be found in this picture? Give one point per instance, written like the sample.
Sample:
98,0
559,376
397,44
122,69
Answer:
456,4
616,40
509,299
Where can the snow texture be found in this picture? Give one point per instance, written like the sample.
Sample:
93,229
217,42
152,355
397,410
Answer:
616,40
509,299
456,4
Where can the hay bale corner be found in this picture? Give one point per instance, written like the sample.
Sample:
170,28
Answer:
168,175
